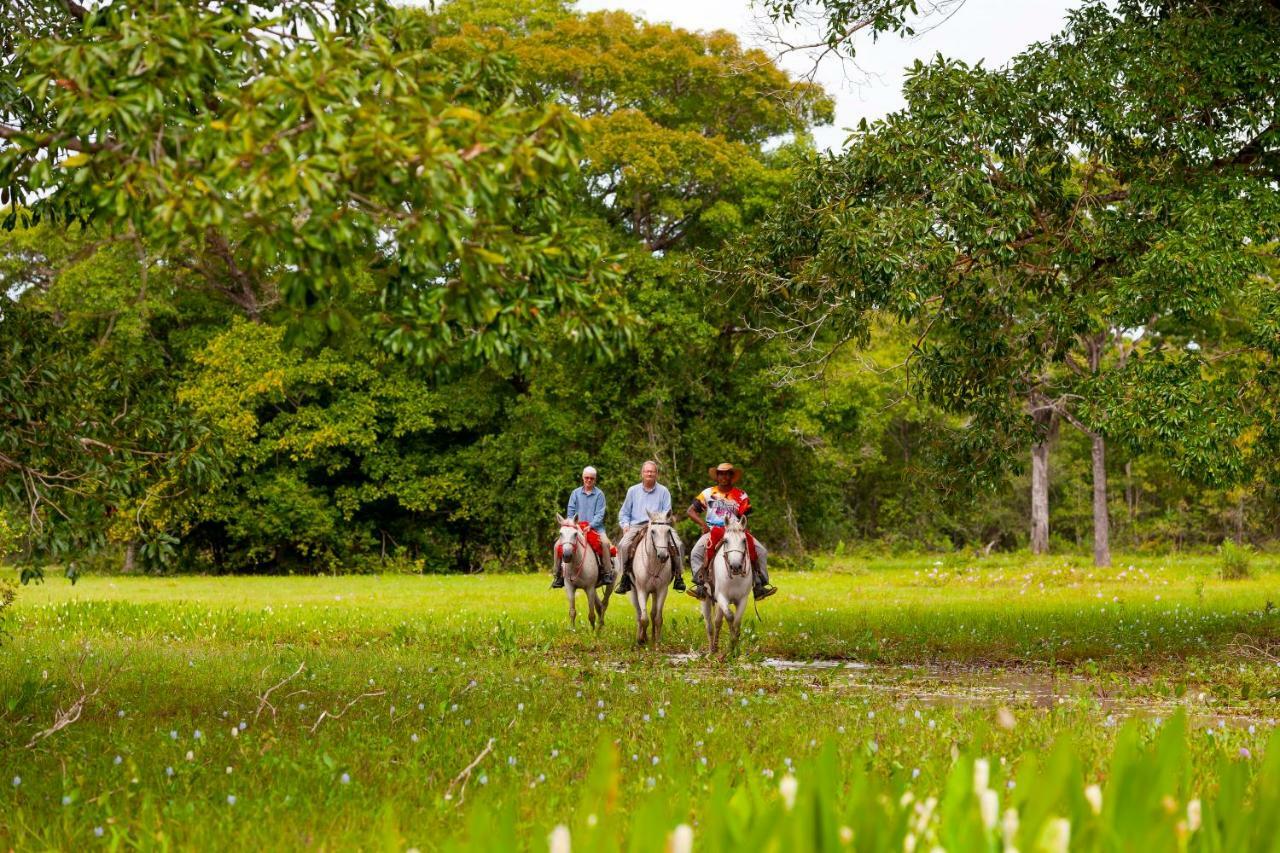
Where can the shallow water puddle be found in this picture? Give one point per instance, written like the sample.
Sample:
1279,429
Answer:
953,686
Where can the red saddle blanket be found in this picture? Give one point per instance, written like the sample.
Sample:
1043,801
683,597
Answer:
713,542
593,539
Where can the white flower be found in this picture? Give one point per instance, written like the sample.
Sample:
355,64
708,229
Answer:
173,735
787,788
1056,837
17,780
981,775
1009,828
558,840
235,732
846,835
989,803
66,799
1094,795
681,839
98,831
1193,815
168,771
191,756
231,799
414,737
345,778
118,759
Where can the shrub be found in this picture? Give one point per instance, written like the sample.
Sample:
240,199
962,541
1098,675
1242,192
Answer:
1234,560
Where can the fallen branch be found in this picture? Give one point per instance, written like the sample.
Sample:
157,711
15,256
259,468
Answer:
66,717
465,776
324,714
263,700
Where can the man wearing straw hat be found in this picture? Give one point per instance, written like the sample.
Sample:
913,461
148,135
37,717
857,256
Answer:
714,506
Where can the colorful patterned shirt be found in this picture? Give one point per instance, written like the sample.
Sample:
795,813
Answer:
720,506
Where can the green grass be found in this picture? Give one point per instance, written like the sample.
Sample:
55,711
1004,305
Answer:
997,658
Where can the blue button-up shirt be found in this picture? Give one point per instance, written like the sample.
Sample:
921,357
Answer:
587,506
635,509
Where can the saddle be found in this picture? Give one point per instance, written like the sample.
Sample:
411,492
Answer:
593,541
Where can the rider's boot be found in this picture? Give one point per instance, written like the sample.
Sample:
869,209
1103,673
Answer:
699,590
558,581
762,589
606,576
678,581
624,585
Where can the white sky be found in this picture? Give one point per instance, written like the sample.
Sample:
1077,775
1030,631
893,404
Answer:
994,30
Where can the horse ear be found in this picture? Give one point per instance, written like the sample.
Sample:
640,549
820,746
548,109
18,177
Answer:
560,519
671,517
653,516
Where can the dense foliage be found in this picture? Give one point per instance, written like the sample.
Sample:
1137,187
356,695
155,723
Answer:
365,286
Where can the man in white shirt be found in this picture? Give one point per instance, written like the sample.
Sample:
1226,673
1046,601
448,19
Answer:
644,497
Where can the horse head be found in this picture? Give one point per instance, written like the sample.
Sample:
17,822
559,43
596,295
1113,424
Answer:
660,534
568,542
734,547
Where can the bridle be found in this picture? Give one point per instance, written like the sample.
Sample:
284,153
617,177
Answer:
672,543
579,549
743,564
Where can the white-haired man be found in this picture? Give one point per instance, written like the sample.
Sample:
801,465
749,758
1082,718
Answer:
644,497
587,506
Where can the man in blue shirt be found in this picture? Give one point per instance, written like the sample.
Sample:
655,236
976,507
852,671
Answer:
644,497
586,503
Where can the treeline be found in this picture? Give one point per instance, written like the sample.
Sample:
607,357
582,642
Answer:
375,295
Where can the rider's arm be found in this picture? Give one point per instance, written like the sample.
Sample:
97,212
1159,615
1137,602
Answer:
664,500
597,517
571,512
695,512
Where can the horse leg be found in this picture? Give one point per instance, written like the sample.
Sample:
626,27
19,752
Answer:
717,618
706,622
593,603
571,593
640,625
659,602
735,623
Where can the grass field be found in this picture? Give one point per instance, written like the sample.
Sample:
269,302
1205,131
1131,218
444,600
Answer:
337,712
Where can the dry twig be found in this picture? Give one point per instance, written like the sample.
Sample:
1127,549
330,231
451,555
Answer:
465,776
324,714
263,701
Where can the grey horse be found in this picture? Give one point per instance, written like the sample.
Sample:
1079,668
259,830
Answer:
581,571
652,568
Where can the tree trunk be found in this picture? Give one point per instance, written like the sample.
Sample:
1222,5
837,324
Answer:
1101,525
1047,427
1040,498
130,556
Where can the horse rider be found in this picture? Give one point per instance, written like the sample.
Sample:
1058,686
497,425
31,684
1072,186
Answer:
644,497
586,504
718,504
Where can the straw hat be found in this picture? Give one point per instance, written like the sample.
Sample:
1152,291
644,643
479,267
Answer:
725,466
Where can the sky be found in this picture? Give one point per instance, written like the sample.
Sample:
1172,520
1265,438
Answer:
990,30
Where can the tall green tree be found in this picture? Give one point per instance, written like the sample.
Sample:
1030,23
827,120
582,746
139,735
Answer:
1029,221
282,150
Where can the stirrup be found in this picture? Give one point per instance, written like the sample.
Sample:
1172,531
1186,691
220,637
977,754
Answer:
557,583
763,591
697,591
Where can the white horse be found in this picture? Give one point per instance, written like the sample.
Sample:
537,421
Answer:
731,579
581,571
652,571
